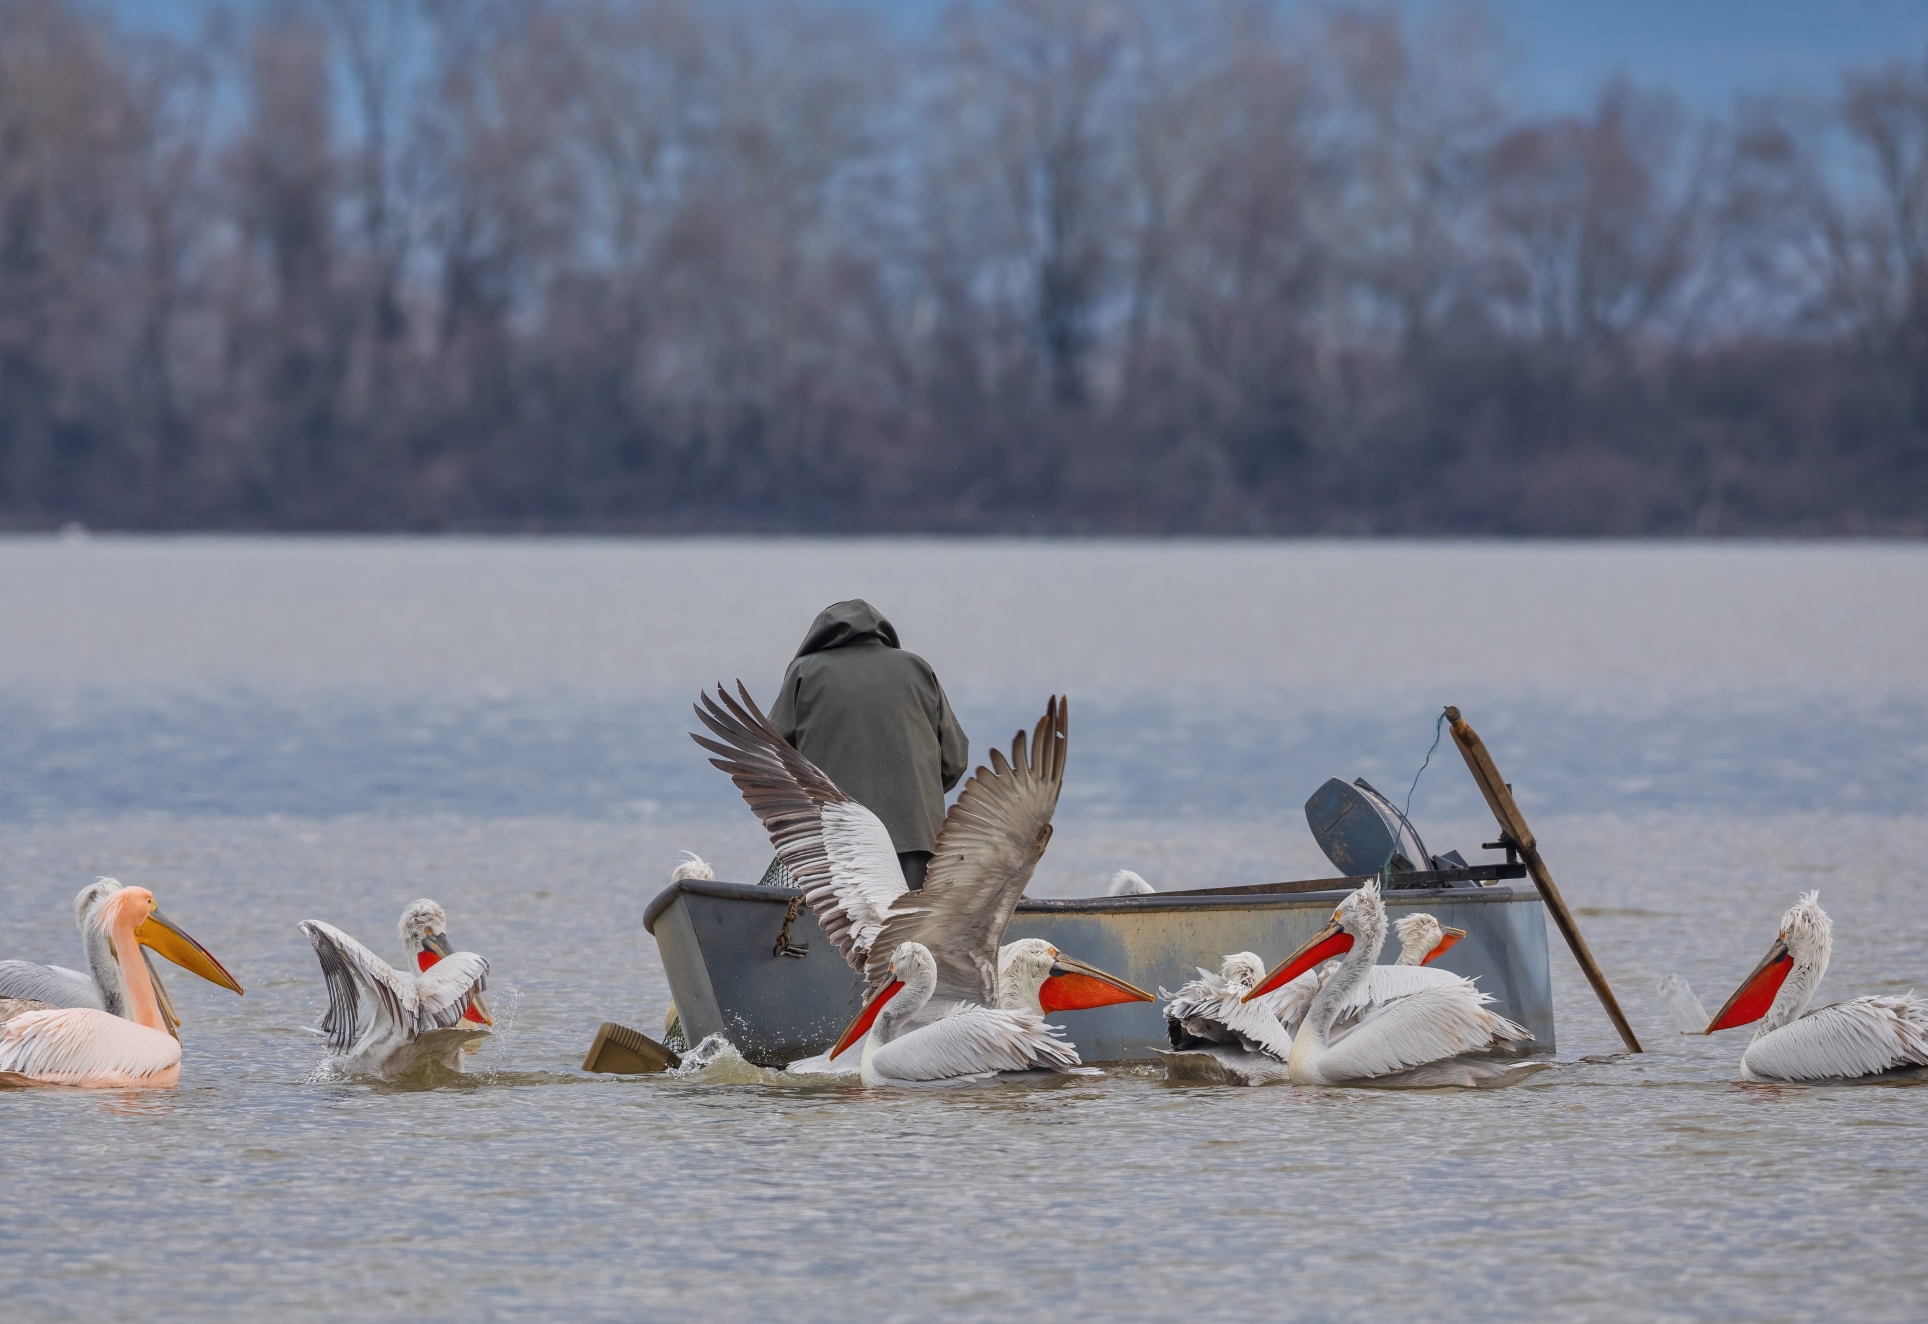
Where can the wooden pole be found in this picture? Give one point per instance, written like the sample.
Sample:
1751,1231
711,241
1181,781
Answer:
1499,798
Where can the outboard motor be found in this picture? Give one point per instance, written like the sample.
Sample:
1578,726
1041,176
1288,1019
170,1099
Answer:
1358,828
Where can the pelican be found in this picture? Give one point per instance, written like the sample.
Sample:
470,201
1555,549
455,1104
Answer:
1855,1040
386,1022
1034,976
92,1047
841,857
1409,1039
1217,1036
1127,883
969,1043
27,986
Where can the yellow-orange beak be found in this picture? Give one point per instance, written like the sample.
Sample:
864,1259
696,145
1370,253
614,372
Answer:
1446,942
167,939
1325,944
867,1017
1756,993
1074,986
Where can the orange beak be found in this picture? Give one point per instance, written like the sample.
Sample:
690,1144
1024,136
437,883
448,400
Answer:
1446,943
867,1017
1326,944
1074,986
1756,993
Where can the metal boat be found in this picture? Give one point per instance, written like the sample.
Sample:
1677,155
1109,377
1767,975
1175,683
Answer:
748,961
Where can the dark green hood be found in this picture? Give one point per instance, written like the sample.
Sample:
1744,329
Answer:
847,623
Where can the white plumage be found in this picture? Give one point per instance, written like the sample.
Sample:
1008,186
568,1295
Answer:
1854,1040
1127,883
87,1047
1385,1041
386,1022
968,1043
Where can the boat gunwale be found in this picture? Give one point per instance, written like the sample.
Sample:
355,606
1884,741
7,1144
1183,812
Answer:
1126,905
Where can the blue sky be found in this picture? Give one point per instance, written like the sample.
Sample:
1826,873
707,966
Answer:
1706,50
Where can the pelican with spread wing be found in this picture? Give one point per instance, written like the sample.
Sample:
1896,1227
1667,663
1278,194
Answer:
1420,1037
841,856
1855,1040
385,1022
90,1046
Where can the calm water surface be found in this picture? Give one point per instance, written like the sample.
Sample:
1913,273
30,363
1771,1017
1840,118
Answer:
269,731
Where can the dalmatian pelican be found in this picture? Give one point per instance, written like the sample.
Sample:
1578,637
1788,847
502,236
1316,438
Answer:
385,1022
967,1044
841,857
1218,1037
1411,1039
1860,1039
95,1048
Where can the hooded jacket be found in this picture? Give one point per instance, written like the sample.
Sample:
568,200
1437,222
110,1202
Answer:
874,718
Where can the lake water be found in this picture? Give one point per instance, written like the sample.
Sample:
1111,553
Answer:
266,731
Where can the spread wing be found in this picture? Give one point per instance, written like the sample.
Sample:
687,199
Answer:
836,850
1863,1037
1426,1026
972,1042
366,994
55,985
989,844
83,1046
1208,1011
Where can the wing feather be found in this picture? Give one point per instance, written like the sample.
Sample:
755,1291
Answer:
1209,1011
973,1042
55,985
835,849
1861,1037
83,1046
986,850
1427,1026
363,989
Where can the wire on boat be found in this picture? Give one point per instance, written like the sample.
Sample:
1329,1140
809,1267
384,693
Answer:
1405,814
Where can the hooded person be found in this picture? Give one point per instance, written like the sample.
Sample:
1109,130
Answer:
875,719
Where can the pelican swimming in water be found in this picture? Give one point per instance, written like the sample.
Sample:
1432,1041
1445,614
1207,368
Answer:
966,1044
1854,1040
28,986
386,1022
1217,1036
92,1047
841,857
1409,1039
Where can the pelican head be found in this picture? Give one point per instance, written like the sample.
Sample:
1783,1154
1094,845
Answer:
1360,919
424,927
693,866
1035,976
1242,969
1801,948
1423,940
425,937
90,896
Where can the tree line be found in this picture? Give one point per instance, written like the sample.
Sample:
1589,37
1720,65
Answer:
1126,266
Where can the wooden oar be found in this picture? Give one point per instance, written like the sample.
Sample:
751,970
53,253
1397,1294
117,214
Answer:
1499,798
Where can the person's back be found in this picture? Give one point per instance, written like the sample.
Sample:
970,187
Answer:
876,720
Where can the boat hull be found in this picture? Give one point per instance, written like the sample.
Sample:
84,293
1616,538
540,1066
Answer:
718,943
